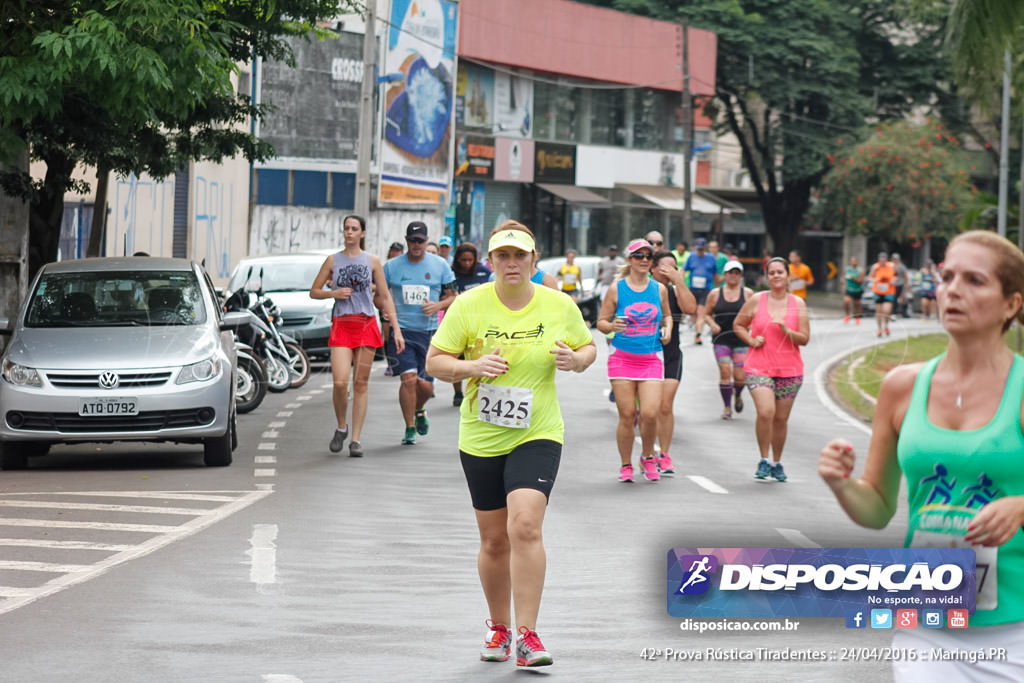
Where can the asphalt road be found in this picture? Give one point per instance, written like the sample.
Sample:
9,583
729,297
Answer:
129,563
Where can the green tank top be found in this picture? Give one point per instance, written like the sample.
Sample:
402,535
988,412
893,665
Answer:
952,474
852,285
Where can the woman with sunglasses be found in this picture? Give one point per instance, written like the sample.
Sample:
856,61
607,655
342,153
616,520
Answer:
774,325
636,309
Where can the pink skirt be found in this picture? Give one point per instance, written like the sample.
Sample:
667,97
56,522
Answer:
638,367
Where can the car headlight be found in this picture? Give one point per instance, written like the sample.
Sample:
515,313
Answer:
21,375
199,372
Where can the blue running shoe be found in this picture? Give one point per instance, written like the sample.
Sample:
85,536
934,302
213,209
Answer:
763,470
778,474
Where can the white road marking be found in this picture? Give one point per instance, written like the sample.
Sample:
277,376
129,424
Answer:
54,505
821,389
276,425
303,398
706,483
268,472
212,496
264,459
42,566
101,526
292,405
281,678
797,538
264,487
263,554
165,535
64,545
267,446
285,413
270,434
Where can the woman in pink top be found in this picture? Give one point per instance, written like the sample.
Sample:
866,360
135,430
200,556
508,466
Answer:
774,324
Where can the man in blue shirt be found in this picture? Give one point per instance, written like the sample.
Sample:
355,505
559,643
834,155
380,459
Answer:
703,270
421,285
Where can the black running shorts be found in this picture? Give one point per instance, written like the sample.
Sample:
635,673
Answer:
530,465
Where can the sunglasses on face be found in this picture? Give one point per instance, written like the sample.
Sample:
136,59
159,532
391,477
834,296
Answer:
415,240
643,256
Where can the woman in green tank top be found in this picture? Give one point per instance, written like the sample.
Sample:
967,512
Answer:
960,446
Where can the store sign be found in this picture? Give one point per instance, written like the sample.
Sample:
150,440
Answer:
513,160
474,157
554,163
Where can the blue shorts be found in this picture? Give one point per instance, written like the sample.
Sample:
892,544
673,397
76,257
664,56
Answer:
884,298
414,357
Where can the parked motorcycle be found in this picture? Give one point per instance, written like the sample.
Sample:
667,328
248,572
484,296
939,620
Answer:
287,364
251,374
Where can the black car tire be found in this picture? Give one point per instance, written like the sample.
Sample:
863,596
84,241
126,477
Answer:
14,455
217,449
250,384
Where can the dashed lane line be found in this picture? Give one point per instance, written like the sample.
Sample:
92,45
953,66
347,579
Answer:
797,538
706,484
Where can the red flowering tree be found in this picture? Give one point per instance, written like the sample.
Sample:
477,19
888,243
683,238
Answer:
905,182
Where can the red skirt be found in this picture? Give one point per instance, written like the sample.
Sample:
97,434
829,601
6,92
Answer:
354,331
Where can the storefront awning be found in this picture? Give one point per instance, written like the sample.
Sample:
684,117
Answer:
671,199
580,196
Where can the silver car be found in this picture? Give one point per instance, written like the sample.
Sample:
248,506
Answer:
117,349
287,279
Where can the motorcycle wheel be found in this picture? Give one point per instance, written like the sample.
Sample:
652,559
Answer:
298,365
250,384
279,377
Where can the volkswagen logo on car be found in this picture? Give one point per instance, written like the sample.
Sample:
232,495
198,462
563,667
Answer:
109,380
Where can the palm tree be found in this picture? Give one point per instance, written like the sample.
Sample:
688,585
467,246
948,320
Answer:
981,32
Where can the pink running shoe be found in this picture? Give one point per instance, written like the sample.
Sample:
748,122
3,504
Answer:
626,474
529,650
665,465
497,644
650,465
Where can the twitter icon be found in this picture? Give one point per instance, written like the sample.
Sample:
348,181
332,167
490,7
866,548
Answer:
881,618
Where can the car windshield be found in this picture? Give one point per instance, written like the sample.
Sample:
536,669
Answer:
111,299
290,276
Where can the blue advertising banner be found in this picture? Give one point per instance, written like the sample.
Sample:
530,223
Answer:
419,69
816,582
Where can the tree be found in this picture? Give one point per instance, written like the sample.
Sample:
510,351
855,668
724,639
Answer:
131,86
790,75
906,182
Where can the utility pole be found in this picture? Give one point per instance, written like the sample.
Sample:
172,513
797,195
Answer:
687,137
1004,149
362,199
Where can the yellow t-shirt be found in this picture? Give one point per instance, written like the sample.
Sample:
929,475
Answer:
570,277
476,324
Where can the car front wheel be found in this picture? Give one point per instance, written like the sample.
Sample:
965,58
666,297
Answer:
217,449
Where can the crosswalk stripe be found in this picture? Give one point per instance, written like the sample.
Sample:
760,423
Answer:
63,545
104,526
706,484
42,566
164,535
212,496
55,505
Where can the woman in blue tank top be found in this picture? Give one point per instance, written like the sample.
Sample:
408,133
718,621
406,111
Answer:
636,310
960,445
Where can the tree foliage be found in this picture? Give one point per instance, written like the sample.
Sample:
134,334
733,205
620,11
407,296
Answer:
131,86
791,75
904,183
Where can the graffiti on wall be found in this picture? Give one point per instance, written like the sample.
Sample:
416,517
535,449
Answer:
141,217
291,229
211,228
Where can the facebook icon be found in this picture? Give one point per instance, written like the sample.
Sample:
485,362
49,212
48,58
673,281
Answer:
856,619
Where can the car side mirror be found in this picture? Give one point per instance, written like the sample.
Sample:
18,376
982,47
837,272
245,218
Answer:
234,319
5,325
